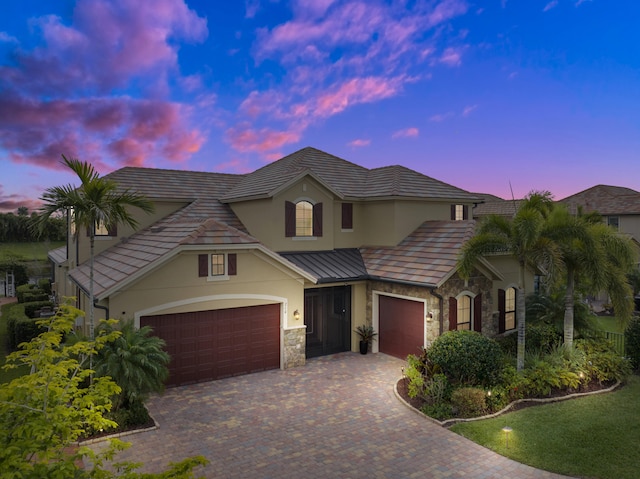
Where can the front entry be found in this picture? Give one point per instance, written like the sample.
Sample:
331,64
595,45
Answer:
327,315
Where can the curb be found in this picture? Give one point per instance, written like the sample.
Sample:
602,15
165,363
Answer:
451,422
118,435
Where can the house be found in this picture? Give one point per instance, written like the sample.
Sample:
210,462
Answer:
241,273
618,206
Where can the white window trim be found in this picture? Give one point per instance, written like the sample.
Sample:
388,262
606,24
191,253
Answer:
218,277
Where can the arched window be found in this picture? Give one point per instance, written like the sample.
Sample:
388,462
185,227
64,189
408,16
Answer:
304,218
464,313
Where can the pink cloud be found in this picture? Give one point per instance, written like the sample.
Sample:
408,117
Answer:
9,203
451,57
359,143
550,5
406,133
468,110
355,91
245,139
447,10
440,117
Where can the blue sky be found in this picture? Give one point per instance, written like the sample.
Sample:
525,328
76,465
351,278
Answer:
539,95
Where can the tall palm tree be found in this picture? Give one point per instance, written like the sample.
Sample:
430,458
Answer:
136,361
521,237
96,201
594,256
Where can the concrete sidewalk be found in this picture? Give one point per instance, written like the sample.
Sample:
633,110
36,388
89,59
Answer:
336,417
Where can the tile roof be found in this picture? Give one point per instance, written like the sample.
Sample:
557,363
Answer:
427,256
345,178
330,266
499,207
58,255
606,200
201,222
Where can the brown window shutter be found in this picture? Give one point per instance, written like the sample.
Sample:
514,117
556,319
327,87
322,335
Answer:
453,314
317,219
203,265
465,212
113,230
347,216
232,264
477,313
453,212
501,310
289,219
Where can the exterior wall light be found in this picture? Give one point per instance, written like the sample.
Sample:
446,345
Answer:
296,315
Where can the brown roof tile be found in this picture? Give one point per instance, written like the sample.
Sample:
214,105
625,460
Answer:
606,200
427,256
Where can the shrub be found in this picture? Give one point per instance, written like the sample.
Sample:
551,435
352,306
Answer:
542,336
22,289
35,295
541,379
45,285
467,357
632,342
32,309
413,372
469,402
603,362
437,389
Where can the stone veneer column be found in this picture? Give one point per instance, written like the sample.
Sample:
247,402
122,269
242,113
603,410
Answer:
294,347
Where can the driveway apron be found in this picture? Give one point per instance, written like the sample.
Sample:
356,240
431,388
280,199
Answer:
336,417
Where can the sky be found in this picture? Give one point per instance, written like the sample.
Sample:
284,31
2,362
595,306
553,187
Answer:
495,96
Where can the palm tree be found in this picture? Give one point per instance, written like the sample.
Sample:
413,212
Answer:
521,237
136,361
594,256
96,201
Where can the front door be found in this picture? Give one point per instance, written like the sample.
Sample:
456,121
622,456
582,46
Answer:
327,315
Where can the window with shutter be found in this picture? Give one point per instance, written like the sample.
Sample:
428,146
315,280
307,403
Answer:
289,219
317,219
477,313
501,310
302,219
217,266
453,314
347,216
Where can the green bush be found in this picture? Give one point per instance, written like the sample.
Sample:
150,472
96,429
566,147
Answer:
469,402
32,309
45,285
437,389
632,342
35,295
22,290
542,336
413,373
603,362
467,358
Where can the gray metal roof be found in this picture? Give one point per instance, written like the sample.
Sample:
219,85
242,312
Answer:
330,266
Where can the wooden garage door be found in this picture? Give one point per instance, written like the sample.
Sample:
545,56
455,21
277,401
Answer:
401,324
207,345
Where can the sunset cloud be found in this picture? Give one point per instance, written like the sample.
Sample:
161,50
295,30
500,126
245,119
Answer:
468,110
359,143
245,139
550,5
440,117
406,133
60,97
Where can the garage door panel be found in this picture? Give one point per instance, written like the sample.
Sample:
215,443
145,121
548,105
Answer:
401,326
209,345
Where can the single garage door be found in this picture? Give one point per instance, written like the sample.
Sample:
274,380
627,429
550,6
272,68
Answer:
401,324
208,345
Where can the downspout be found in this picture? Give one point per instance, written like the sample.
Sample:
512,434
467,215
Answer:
103,308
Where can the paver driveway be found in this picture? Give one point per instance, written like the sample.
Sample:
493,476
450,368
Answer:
337,417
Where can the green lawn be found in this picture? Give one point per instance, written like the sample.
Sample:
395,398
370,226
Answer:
29,251
610,323
595,436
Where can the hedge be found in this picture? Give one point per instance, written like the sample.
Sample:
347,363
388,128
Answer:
20,328
33,308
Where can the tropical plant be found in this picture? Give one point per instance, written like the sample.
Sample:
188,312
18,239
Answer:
521,237
135,360
366,333
97,201
44,413
594,256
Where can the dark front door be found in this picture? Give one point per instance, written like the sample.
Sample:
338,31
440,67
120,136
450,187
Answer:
327,315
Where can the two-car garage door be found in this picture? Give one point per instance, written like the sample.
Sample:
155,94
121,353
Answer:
207,345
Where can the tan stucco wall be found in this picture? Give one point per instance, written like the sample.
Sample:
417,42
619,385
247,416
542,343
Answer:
176,288
630,224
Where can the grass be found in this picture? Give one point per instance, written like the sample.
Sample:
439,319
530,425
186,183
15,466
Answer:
36,251
6,375
595,436
609,323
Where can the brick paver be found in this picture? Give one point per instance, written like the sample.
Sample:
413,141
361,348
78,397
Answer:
336,417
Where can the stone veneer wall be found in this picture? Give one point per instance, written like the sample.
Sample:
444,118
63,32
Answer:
294,347
477,283
418,292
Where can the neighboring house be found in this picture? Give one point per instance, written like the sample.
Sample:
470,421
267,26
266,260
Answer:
618,206
241,273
